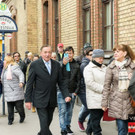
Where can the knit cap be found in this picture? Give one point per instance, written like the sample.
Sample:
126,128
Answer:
98,53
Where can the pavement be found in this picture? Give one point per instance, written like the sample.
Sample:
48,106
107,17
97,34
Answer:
31,124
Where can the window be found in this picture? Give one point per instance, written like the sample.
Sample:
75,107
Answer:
108,24
46,23
56,24
86,21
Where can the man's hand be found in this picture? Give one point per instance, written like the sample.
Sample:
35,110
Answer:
104,108
129,76
28,105
67,99
20,85
65,60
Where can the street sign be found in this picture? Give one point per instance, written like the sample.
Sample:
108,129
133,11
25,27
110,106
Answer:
3,6
4,10
7,25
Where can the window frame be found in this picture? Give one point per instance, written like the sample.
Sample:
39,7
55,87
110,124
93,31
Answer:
105,2
45,23
56,16
86,6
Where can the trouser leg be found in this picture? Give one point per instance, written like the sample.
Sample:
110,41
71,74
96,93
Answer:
10,106
94,121
45,118
20,108
69,108
62,110
122,126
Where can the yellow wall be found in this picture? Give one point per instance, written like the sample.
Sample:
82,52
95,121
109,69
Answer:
1,46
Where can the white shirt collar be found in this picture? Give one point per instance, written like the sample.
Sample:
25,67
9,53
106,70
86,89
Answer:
49,62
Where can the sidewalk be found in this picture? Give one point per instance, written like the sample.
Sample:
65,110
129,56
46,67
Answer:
31,124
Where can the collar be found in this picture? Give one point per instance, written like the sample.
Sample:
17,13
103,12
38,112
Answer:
128,63
47,62
95,66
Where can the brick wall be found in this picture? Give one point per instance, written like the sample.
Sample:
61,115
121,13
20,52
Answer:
69,23
32,31
22,29
39,25
29,21
96,23
126,22
30,24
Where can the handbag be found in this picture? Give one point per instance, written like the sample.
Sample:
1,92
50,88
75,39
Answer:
132,102
106,117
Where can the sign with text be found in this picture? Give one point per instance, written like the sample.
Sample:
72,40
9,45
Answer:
4,10
131,124
7,25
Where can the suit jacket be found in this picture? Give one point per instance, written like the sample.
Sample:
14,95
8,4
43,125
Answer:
44,91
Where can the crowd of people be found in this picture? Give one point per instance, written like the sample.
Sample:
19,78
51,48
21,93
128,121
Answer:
56,78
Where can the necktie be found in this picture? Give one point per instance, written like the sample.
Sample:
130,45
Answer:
48,67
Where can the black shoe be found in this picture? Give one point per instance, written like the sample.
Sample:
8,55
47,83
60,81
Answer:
38,133
21,120
64,132
69,131
10,123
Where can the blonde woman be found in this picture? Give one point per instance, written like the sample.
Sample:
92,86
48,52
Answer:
13,79
30,56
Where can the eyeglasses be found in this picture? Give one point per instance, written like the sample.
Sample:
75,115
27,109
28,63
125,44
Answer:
16,56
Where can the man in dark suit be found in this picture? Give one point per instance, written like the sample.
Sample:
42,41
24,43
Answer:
44,74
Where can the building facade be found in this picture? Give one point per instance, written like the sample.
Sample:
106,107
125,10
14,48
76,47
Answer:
103,23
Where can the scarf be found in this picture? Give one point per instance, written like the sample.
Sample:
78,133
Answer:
123,76
9,73
96,63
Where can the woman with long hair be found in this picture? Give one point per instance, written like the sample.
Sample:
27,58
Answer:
12,80
115,93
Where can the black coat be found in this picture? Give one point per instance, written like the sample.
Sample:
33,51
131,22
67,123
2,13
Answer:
85,62
72,77
44,90
1,67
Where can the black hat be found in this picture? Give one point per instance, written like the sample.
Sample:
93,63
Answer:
87,45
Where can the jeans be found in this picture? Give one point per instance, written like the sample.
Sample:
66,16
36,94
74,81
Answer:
65,110
84,112
94,122
122,126
82,96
